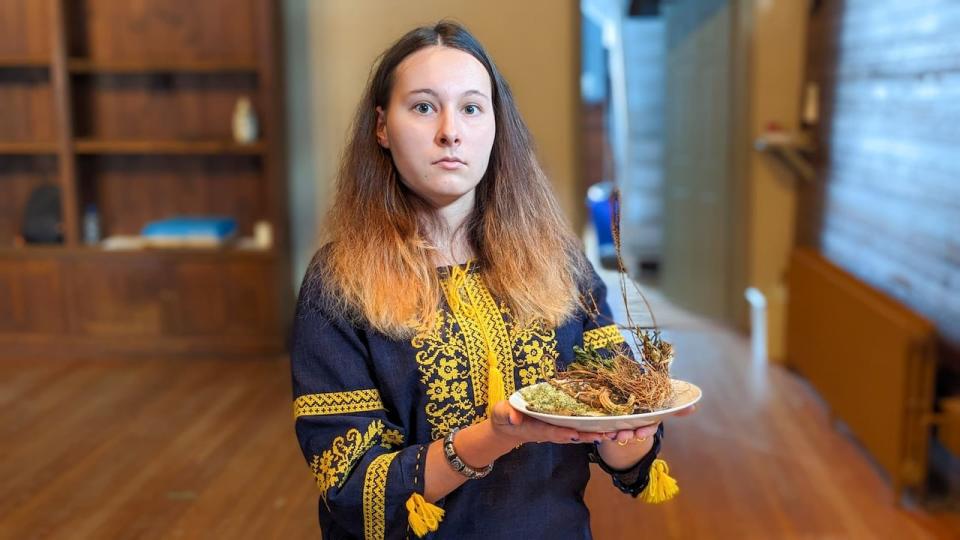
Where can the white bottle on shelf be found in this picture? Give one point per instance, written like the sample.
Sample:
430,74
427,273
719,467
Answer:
244,122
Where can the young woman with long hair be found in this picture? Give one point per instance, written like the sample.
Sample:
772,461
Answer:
448,278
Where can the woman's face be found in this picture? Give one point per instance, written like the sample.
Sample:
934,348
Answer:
439,125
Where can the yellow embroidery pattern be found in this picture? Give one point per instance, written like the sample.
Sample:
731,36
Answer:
391,437
330,469
603,337
536,347
374,497
337,403
452,356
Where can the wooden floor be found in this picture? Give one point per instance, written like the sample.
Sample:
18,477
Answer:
205,449
758,460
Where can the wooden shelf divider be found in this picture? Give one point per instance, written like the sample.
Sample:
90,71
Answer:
27,148
165,147
62,104
24,62
82,65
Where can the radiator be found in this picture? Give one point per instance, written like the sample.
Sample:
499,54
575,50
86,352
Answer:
871,359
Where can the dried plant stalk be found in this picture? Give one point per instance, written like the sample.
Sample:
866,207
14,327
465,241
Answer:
614,384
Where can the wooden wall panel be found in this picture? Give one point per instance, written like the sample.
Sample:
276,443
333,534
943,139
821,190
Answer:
26,106
213,298
168,30
886,206
596,148
31,293
26,29
121,297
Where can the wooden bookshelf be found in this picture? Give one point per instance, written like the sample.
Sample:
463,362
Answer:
127,106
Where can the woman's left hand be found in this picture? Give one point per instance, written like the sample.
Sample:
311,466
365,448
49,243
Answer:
643,433
623,449
630,435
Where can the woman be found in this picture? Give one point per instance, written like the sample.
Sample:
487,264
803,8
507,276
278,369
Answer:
448,279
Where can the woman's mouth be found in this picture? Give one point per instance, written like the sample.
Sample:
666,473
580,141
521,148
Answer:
449,163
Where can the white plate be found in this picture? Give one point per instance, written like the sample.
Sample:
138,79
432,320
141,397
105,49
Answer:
685,395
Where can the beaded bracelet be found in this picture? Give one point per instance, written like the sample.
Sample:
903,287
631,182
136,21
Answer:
458,465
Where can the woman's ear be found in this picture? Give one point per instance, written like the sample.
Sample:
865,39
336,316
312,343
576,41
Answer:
382,128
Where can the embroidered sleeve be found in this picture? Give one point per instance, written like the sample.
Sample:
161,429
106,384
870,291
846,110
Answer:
357,452
599,329
337,403
603,337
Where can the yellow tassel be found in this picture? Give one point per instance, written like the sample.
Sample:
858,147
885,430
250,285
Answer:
662,487
495,391
495,384
423,517
457,279
458,276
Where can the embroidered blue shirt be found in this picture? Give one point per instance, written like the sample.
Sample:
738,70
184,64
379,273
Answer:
366,407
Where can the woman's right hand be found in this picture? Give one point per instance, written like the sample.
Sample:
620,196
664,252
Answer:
519,428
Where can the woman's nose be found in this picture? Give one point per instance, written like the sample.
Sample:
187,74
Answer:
448,134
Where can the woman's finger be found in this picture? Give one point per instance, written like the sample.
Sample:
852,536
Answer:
686,412
516,417
594,436
647,431
501,413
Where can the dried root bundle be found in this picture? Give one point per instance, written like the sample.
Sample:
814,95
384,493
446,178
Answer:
602,384
615,384
619,385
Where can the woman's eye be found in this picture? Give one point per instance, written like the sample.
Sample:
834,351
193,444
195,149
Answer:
423,108
471,109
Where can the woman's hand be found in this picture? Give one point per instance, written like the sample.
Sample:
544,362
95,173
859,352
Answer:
643,433
519,428
623,449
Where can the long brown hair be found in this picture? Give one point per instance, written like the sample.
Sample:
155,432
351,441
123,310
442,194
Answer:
376,264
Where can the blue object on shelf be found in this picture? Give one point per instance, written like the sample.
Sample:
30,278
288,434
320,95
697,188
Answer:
598,202
183,226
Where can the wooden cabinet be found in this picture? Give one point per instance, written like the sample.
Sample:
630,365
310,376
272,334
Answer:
221,299
83,303
119,297
127,107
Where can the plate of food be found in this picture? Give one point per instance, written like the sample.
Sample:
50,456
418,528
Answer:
603,392
609,386
591,420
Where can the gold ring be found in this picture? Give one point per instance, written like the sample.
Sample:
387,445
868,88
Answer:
642,439
622,443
